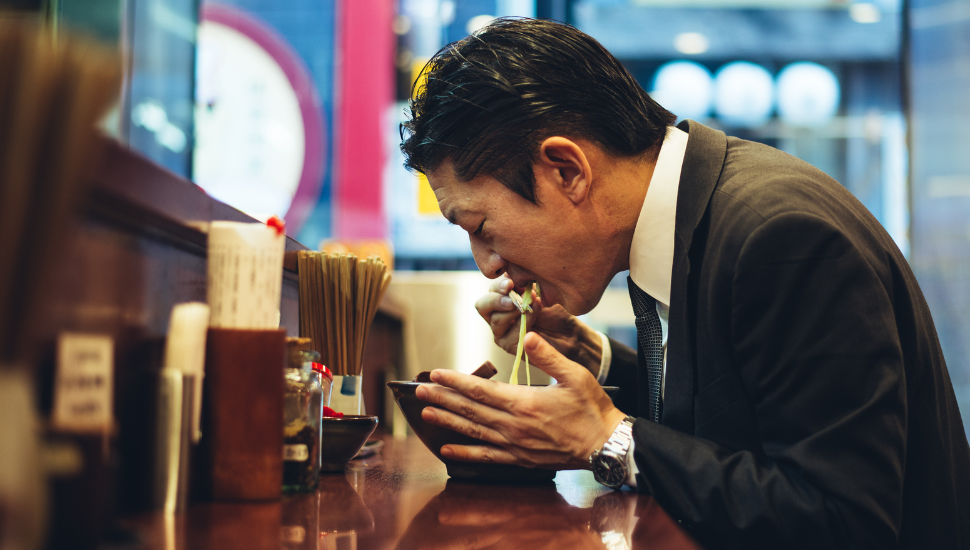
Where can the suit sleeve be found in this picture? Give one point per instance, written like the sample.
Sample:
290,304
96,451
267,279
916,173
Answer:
815,343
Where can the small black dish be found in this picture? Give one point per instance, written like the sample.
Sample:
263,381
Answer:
342,438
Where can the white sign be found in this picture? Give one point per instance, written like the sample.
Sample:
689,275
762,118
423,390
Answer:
83,386
296,453
293,533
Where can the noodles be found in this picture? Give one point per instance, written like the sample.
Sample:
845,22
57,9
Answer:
519,352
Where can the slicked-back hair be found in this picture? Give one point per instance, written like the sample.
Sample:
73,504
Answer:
490,100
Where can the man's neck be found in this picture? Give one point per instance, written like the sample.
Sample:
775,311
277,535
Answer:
620,193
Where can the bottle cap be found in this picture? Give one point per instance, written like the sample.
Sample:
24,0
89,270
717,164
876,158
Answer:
322,369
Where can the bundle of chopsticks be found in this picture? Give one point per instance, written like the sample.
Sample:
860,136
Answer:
52,93
339,297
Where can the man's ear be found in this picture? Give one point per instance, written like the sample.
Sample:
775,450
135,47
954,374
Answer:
563,163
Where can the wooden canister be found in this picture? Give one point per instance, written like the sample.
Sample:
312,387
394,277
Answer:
242,423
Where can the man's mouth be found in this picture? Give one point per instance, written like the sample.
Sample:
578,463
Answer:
520,285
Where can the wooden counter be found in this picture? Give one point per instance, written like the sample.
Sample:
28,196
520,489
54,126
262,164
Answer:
404,499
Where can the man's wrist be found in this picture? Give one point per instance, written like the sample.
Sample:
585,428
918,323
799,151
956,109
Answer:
610,463
612,420
588,347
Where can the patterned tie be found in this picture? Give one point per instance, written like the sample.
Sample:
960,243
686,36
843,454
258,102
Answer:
649,349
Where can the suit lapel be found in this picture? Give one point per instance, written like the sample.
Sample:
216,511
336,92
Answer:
703,161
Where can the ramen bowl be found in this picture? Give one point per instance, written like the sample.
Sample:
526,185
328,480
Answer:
434,437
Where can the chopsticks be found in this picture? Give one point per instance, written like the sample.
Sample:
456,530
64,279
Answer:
339,298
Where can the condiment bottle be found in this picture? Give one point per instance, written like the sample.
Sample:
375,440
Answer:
302,409
326,381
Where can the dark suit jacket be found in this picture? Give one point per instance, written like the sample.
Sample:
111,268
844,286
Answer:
807,402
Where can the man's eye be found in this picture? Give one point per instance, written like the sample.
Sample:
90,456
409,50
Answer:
478,232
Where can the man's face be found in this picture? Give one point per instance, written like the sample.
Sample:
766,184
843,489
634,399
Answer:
551,243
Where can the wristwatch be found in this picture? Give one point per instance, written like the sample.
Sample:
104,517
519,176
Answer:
609,463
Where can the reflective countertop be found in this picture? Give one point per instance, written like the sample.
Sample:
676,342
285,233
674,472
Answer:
403,498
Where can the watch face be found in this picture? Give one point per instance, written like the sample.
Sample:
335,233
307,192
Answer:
609,470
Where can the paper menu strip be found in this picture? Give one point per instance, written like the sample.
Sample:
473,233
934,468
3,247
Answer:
245,275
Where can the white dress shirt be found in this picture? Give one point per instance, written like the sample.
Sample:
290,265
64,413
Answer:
652,251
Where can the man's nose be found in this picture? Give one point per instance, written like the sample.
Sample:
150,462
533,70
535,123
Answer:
488,261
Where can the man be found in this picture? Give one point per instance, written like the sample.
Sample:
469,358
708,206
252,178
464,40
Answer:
790,389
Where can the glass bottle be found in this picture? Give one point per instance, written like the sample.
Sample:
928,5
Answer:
302,409
324,382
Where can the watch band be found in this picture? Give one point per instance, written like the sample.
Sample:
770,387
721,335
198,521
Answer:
609,464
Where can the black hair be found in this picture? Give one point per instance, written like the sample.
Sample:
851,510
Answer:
490,99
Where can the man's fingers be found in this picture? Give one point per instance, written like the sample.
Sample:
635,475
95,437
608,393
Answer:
502,323
490,454
471,391
472,516
469,539
478,453
476,414
492,303
457,423
502,284
505,330
502,317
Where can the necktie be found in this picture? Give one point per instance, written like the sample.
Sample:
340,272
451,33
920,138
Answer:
649,350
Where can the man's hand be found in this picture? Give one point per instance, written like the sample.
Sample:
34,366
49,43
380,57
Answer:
556,426
570,336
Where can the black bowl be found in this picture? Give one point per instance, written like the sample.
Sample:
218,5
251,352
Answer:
342,438
434,437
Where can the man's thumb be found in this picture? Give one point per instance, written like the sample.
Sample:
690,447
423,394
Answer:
545,357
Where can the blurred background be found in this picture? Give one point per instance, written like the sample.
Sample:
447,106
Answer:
291,107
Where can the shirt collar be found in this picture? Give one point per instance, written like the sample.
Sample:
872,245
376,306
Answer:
652,252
